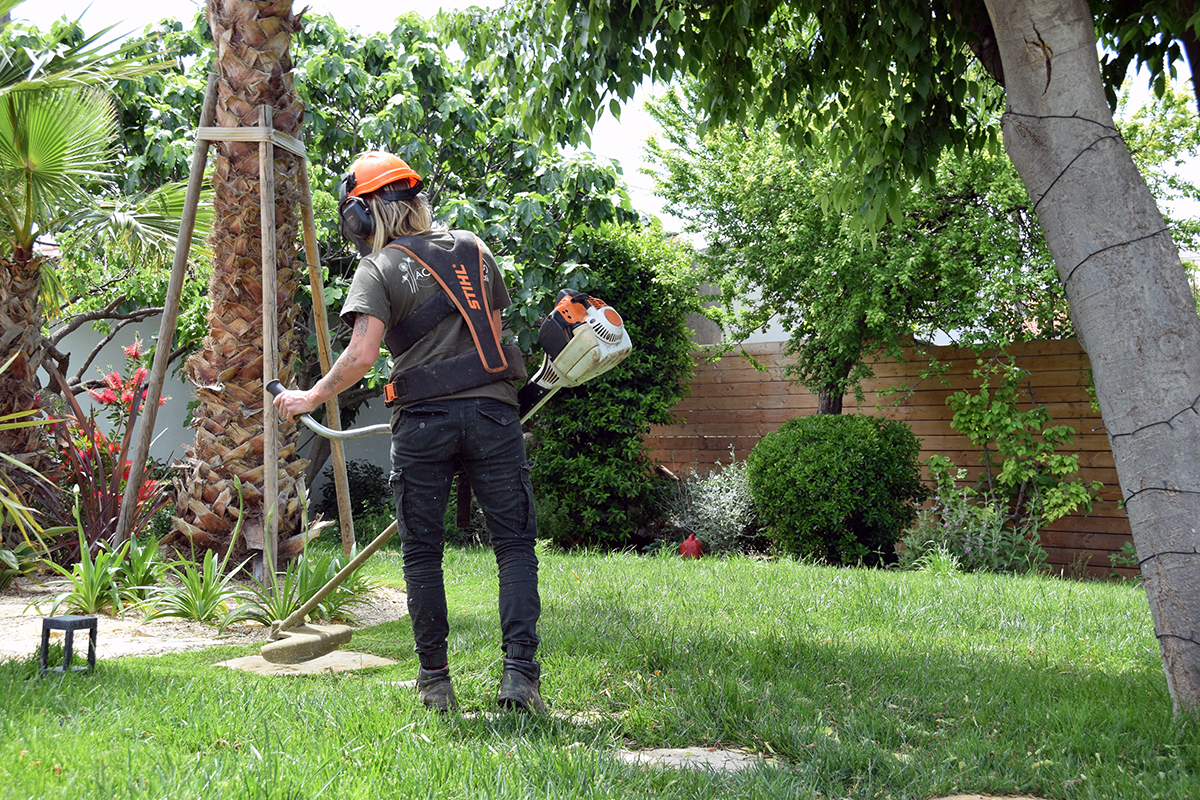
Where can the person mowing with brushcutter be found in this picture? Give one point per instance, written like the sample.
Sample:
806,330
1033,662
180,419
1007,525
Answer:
434,297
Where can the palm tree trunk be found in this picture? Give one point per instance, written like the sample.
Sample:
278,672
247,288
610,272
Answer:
254,63
20,340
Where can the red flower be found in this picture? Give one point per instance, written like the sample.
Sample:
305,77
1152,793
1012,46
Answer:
107,397
134,350
149,487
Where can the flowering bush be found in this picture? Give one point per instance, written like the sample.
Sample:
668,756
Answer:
95,469
717,507
118,393
117,396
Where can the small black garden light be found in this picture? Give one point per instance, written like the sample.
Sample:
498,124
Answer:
68,624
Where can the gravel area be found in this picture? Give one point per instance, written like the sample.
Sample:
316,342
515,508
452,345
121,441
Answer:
24,603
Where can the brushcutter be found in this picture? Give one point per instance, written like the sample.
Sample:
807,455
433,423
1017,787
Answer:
582,338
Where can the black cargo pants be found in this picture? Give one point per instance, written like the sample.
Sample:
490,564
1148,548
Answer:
484,435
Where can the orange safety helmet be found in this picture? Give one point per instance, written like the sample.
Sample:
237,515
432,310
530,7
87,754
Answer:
375,170
377,173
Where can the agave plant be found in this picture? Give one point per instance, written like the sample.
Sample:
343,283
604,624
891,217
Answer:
92,581
141,571
203,593
276,598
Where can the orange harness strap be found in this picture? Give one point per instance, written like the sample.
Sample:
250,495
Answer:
459,271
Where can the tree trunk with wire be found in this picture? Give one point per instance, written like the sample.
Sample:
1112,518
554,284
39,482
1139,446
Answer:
1130,300
254,65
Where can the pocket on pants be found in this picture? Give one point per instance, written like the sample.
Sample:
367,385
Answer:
500,413
414,419
531,515
396,482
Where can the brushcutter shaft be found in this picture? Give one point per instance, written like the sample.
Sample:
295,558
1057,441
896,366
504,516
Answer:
297,616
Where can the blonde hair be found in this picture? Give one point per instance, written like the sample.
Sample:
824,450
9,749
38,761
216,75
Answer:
399,218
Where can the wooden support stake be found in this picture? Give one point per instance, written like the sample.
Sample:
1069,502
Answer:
333,411
270,343
268,138
166,328
277,138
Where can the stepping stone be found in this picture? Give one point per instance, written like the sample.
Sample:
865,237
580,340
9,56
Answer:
337,661
691,758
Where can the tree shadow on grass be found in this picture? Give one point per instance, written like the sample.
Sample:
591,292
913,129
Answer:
877,708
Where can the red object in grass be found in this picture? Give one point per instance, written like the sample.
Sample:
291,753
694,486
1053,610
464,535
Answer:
690,547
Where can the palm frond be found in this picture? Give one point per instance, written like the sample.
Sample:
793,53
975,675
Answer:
54,144
146,224
57,63
54,296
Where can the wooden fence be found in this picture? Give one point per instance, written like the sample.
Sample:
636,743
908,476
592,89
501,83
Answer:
733,405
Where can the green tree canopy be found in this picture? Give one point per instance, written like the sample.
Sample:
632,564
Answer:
402,92
963,258
885,86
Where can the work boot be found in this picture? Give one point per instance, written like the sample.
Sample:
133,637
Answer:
435,690
520,688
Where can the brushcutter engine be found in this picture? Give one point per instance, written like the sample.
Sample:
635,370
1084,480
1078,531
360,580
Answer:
583,338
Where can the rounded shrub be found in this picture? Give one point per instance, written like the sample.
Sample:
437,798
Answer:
841,488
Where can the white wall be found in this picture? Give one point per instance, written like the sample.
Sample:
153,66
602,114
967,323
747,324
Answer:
170,435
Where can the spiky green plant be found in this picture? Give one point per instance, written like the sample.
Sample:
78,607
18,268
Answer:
203,593
276,599
93,581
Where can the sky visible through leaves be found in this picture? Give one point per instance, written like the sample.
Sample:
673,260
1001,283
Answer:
621,141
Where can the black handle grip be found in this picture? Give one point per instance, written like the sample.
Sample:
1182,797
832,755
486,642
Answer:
275,388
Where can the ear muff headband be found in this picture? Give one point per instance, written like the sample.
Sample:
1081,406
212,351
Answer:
356,223
392,195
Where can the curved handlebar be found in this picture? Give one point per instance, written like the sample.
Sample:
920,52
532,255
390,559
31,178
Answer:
276,388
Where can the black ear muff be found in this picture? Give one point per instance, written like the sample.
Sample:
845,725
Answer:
356,223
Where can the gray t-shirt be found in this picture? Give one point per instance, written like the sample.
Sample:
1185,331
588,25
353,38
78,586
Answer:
389,285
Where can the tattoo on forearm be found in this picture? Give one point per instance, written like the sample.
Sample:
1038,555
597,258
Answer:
337,373
360,326
334,378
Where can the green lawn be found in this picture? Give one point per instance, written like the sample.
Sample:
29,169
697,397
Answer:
857,683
